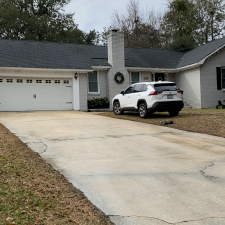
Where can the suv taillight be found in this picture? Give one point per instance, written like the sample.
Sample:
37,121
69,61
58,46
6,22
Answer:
155,93
180,91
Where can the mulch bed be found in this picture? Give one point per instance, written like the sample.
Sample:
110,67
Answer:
206,121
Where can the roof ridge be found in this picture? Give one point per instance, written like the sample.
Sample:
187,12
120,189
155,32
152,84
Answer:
52,42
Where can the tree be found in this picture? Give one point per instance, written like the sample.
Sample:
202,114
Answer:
40,20
180,24
211,17
140,28
189,23
92,38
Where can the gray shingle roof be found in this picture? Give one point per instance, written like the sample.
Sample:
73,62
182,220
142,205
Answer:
51,55
199,53
152,58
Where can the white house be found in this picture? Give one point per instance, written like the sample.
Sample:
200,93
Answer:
59,76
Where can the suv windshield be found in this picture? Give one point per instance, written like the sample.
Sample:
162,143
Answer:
166,87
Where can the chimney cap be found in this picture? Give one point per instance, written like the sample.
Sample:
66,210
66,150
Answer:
115,30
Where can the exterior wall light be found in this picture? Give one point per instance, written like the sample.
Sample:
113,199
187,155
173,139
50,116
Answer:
76,76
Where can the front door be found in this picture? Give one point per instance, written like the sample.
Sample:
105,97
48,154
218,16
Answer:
159,77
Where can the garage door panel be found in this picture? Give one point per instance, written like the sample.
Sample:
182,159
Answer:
36,96
15,98
33,107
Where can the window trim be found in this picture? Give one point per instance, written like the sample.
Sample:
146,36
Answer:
93,93
131,77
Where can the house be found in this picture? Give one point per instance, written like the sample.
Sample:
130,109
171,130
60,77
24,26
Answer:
60,76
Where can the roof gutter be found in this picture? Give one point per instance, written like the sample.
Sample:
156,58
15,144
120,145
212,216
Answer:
163,70
41,70
153,70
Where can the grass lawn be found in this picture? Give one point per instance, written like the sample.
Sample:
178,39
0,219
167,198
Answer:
32,192
206,121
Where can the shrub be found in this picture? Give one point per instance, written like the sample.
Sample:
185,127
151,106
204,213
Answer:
98,103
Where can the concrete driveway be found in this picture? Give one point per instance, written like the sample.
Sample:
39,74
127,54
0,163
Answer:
136,173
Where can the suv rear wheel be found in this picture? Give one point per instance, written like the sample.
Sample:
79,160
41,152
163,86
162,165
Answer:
143,112
174,113
117,109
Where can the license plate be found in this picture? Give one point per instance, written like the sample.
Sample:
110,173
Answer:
169,96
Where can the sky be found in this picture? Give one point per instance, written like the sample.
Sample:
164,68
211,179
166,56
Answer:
96,14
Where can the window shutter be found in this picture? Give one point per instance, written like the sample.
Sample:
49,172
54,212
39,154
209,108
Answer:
218,73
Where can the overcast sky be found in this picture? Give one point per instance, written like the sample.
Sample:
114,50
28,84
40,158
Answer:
96,14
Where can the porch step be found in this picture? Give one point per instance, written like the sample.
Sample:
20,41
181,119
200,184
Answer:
187,106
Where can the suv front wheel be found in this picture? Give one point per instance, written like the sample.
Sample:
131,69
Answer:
143,112
117,109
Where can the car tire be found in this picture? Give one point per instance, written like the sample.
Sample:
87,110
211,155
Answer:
117,109
173,113
143,111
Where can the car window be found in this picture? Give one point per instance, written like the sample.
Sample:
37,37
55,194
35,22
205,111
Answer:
144,88
137,87
166,87
129,90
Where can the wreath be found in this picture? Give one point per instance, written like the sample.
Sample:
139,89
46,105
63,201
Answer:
119,78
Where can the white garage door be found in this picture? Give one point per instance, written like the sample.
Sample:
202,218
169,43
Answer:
24,94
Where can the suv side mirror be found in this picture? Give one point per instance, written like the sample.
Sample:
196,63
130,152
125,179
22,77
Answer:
122,92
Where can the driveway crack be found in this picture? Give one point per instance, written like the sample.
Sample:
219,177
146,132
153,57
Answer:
175,223
208,176
37,142
140,217
101,137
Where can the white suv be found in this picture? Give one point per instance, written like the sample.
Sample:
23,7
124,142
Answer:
149,97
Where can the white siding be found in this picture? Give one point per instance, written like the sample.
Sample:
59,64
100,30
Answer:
171,77
189,81
146,76
209,92
83,92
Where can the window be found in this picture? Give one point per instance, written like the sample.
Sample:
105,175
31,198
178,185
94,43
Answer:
1,80
9,80
135,77
223,78
29,81
129,90
144,88
48,81
19,80
57,81
165,87
93,82
138,88
39,81
66,81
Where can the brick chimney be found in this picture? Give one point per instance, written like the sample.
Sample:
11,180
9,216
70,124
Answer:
116,59
116,48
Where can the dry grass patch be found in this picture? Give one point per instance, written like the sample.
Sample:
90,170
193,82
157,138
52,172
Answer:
32,192
206,121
